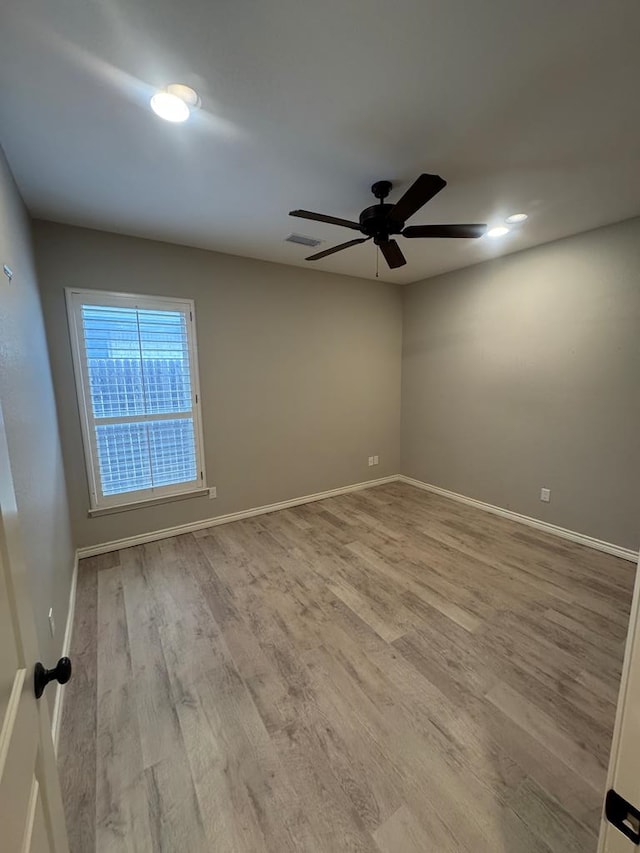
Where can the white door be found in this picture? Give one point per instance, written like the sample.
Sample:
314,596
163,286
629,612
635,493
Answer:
624,764
31,816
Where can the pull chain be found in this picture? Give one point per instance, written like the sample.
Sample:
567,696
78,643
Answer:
382,198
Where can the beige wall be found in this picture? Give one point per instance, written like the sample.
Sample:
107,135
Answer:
516,374
28,406
299,371
524,372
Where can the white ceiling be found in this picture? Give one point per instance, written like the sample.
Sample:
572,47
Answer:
528,105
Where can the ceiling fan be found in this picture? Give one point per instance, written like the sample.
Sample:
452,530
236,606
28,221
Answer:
382,220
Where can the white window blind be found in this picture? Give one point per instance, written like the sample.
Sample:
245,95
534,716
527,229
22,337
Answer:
135,363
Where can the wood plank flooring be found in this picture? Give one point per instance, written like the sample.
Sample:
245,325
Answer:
385,671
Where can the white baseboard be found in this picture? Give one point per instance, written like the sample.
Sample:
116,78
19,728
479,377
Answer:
56,717
167,532
553,529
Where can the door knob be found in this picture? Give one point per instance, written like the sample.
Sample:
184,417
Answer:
60,673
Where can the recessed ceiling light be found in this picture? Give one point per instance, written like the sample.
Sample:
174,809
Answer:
175,103
516,218
498,231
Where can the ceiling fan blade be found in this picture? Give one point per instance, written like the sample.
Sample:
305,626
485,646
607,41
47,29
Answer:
392,254
333,249
444,231
320,217
419,193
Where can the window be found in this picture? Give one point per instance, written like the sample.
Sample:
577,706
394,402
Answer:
137,381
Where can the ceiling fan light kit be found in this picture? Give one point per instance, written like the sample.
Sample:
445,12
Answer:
381,222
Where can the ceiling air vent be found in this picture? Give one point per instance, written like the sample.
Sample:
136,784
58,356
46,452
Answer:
302,239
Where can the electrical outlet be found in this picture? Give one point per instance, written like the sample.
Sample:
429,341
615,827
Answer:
375,460
370,461
213,493
545,495
52,622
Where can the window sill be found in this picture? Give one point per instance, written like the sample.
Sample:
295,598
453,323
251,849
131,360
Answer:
110,510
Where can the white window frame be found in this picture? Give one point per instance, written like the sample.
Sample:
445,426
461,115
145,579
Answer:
75,299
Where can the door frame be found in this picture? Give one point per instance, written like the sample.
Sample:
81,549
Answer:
611,840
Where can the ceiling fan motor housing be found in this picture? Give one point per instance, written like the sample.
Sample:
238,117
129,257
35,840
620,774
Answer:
376,221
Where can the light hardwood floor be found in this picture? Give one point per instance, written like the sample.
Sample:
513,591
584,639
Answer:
385,671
